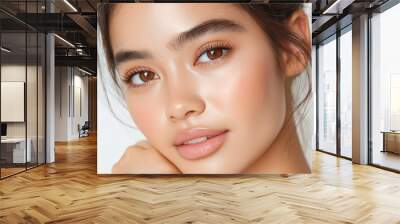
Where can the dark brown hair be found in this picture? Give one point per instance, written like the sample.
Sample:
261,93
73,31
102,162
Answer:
270,17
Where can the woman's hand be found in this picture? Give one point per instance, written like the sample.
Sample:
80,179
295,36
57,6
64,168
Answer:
142,158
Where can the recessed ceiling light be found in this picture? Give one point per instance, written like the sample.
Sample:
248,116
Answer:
84,71
337,7
70,5
64,40
5,50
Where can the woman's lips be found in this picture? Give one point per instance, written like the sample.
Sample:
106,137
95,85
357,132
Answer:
199,143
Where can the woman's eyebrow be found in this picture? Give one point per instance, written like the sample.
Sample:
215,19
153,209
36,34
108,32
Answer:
127,55
212,25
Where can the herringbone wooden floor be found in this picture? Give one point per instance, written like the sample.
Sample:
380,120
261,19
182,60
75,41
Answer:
70,191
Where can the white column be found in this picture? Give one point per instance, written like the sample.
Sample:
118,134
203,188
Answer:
360,90
50,93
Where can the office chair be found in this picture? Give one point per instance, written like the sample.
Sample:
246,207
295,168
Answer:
84,130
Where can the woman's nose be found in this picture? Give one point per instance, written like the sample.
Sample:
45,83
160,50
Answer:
184,101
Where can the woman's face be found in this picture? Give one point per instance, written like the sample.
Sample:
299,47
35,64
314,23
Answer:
200,81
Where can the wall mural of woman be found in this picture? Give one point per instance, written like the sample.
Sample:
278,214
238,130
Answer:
212,87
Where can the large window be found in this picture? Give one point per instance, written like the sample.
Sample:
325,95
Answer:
327,96
334,72
334,81
346,93
385,89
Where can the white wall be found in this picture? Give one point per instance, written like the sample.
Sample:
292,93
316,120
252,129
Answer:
12,73
61,103
70,83
79,117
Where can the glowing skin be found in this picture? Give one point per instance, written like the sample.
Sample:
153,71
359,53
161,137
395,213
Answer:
241,90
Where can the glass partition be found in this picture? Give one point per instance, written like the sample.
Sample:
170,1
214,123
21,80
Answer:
22,77
32,86
41,91
385,89
327,96
13,105
31,100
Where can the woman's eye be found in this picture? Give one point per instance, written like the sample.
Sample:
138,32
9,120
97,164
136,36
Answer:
212,54
142,77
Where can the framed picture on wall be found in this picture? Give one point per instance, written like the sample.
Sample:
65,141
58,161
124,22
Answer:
12,101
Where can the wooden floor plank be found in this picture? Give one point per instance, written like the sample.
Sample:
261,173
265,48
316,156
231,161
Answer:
70,191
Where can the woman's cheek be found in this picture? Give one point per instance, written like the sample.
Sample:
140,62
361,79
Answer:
146,114
245,90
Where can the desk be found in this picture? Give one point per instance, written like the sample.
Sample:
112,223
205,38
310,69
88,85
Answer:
16,147
391,141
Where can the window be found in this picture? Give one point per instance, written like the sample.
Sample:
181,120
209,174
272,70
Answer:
346,93
385,89
327,96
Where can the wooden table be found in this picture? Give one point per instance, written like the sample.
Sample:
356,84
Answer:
391,141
